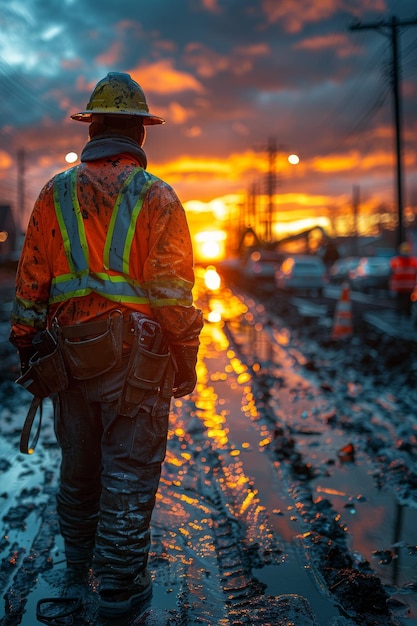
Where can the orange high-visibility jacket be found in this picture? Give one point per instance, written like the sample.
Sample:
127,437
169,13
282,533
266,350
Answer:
403,274
105,235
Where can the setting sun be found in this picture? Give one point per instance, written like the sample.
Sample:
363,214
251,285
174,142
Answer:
210,245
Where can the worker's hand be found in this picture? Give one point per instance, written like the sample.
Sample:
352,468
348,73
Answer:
185,360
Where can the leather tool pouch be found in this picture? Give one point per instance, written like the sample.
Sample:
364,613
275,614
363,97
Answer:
46,373
88,354
147,365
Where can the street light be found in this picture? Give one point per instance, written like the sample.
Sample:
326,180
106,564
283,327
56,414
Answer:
294,159
71,157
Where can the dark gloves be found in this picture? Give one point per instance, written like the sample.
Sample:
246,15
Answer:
185,360
25,354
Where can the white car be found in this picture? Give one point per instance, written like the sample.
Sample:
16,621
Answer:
303,273
339,271
259,268
371,273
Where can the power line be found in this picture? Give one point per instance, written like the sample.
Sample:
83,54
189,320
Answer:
369,114
393,26
348,97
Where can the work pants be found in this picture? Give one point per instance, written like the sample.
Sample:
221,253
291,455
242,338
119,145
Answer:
110,471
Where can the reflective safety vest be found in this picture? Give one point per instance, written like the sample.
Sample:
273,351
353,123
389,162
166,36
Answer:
80,281
106,235
404,274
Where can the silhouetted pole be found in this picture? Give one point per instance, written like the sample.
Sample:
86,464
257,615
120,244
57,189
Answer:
252,207
355,203
393,25
255,213
272,179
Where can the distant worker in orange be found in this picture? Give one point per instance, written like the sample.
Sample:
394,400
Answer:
403,278
106,272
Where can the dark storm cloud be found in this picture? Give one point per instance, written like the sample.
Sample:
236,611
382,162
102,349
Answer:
72,40
226,74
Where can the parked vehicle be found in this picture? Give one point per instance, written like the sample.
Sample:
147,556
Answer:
371,273
258,270
302,273
339,270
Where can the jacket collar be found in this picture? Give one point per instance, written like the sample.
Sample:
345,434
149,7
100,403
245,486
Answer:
109,145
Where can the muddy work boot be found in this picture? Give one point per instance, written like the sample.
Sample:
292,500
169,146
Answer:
120,601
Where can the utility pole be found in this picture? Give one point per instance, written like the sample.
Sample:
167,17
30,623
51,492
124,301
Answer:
355,206
271,184
393,26
255,219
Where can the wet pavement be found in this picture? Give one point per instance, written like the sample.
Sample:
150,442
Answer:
261,513
210,533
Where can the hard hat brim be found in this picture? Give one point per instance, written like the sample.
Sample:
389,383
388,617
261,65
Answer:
147,118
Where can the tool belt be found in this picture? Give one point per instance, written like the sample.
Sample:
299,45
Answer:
80,351
149,371
92,348
84,351
46,373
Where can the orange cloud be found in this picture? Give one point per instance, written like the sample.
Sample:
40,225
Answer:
232,168
211,5
255,50
177,113
162,78
295,15
338,42
111,56
206,62
350,161
165,46
5,160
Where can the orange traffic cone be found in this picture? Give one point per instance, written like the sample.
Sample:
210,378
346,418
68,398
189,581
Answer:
342,324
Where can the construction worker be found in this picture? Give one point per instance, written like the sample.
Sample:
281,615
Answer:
403,278
107,264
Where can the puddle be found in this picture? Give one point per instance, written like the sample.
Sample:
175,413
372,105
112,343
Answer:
379,529
228,531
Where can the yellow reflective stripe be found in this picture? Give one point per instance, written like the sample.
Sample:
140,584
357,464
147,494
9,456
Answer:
122,225
63,228
132,226
80,221
29,313
170,292
115,288
78,293
67,208
107,245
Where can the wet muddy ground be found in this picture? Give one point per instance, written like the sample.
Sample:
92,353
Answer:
288,494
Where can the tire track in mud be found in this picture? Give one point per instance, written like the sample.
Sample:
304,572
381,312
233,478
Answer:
222,587
223,534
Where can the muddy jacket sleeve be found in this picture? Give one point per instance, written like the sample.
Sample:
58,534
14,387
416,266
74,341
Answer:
168,271
33,279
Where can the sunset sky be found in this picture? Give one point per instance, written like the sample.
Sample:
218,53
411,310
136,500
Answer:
229,77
